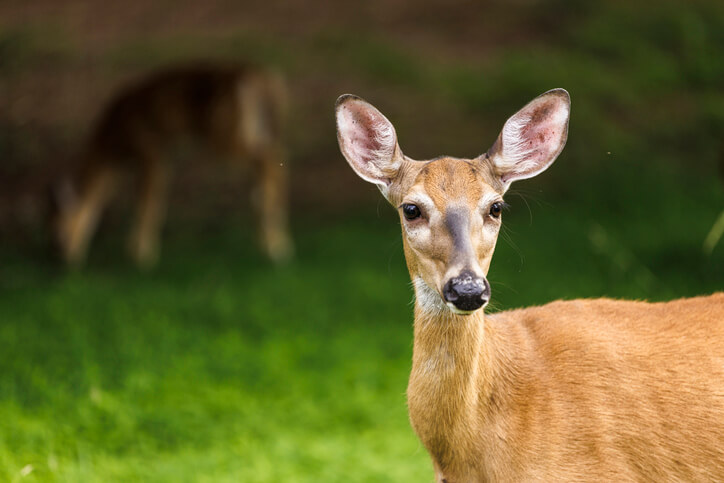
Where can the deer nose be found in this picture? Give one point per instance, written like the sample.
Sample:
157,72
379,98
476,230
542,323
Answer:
467,291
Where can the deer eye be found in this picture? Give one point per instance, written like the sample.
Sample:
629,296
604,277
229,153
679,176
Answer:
411,211
495,209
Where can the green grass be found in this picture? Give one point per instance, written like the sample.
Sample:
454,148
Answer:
214,367
217,367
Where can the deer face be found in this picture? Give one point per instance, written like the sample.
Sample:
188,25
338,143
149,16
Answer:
450,220
450,208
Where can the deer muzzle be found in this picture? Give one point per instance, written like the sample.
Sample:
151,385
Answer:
466,292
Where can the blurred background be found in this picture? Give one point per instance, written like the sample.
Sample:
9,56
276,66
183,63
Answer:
217,365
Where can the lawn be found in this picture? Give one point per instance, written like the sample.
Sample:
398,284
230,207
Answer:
215,367
218,367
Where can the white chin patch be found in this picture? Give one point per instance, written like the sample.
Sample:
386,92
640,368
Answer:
429,300
457,310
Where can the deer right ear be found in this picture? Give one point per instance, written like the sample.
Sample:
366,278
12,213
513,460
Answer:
368,141
532,138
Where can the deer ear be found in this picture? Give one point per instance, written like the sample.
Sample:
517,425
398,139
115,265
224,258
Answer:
368,141
532,138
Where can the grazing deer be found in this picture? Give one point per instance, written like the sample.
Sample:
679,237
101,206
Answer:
583,390
231,111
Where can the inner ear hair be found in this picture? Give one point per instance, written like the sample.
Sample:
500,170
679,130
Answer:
532,138
367,140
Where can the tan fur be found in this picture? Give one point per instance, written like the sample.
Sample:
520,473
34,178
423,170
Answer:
582,390
232,111
585,390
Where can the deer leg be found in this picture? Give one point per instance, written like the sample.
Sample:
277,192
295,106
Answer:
82,220
270,200
151,200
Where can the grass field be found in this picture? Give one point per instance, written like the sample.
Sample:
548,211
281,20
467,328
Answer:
216,367
213,368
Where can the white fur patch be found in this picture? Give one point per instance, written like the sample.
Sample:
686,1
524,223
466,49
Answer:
456,310
419,233
441,363
428,299
384,135
515,149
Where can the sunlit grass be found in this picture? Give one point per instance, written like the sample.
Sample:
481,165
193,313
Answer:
218,367
214,368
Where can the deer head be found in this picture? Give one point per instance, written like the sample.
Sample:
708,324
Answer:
451,208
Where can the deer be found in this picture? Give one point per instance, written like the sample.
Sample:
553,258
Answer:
231,111
577,390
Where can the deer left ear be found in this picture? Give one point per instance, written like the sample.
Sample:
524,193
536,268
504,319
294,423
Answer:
532,138
368,141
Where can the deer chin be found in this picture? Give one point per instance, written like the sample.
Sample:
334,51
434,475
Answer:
457,311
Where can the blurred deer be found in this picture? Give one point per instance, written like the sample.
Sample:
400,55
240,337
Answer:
581,390
231,111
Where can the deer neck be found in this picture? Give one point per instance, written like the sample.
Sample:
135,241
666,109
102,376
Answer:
450,378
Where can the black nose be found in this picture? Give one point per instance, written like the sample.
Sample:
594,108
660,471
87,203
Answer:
466,291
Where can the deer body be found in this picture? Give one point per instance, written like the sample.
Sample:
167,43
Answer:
584,390
587,390
231,111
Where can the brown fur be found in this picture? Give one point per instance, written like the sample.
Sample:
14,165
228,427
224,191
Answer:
232,111
583,390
